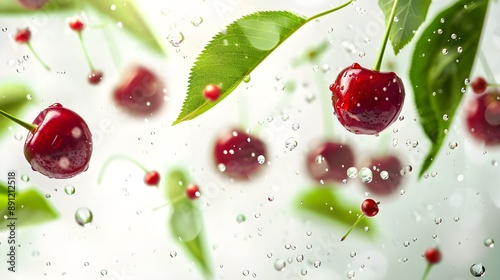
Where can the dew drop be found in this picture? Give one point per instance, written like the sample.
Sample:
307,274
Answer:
445,117
295,126
317,264
351,274
173,254
261,159
35,253
489,242
303,272
438,220
25,178
69,190
352,172
247,78
221,167
245,272
352,254
175,38
444,51
300,258
291,143
83,217
196,21
453,36
104,272
279,264
459,49
366,175
384,175
406,243
477,270
453,145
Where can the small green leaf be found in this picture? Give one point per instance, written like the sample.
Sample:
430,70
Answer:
12,7
312,54
234,54
12,100
443,58
324,202
31,207
410,15
186,221
132,20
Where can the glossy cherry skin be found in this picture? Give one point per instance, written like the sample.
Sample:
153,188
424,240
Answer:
140,92
479,85
192,191
393,166
23,36
367,101
369,207
329,161
61,145
211,92
152,178
483,117
76,24
432,255
95,77
238,153
32,4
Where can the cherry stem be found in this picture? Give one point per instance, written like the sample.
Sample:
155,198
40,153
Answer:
115,157
328,12
37,56
427,270
378,64
487,68
29,126
173,201
85,52
361,216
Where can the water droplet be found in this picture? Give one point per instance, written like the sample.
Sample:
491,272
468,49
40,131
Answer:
366,175
384,175
445,117
291,143
310,97
104,272
69,190
442,20
440,31
396,19
47,263
317,264
25,178
119,24
35,253
456,219
240,218
477,270
173,254
303,272
459,49
438,220
453,145
245,272
351,274
444,51
270,198
395,142
489,242
406,243
86,263
175,38
47,195
352,172
453,36
261,159
221,167
279,86
295,126
279,264
247,78
83,217
196,21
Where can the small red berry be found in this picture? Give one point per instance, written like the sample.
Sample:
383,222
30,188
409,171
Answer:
23,36
432,255
76,23
95,77
211,92
152,178
483,117
479,85
192,191
329,161
369,207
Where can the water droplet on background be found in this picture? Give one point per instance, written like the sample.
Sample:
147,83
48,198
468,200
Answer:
175,38
173,254
291,143
295,126
352,172
196,21
365,175
489,242
384,175
279,264
241,218
477,270
83,217
104,272
69,190
351,274
261,159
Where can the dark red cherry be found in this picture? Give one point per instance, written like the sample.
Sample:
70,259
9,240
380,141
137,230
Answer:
23,36
479,85
369,207
483,117
236,153
152,178
95,77
32,4
211,92
387,185
61,145
367,101
192,191
432,255
329,161
140,92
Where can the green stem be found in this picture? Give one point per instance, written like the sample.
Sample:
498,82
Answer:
37,56
29,126
487,69
386,36
85,52
361,216
427,270
173,201
328,12
115,157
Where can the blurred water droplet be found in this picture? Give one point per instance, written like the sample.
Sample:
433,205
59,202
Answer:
384,175
310,97
247,78
444,51
291,143
279,86
35,253
104,272
453,145
47,195
477,270
240,218
456,219
279,264
270,198
245,272
173,254
396,19
352,254
303,272
47,263
489,242
366,175
25,178
440,31
459,49
395,142
86,263
351,274
84,217
494,163
196,21
406,243
352,172
295,126
261,159
175,38
453,36
445,117
317,264
300,258
221,167
438,220
69,190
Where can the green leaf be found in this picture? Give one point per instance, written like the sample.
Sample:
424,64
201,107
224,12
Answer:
31,208
438,78
234,54
132,20
312,54
12,100
410,15
12,7
325,203
186,221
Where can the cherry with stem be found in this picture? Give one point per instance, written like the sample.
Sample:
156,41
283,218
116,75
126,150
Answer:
151,177
23,36
432,256
369,207
76,24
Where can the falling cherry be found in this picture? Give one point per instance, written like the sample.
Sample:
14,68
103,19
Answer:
369,207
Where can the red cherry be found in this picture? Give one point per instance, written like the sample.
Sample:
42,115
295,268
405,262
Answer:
392,165
140,92
211,92
32,4
236,153
95,77
479,85
369,207
329,161
61,145
152,178
367,101
23,36
76,23
483,117
192,191
432,255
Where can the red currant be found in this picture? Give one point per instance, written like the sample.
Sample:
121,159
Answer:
23,36
432,255
211,92
369,207
76,23
479,85
152,178
95,77
192,191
